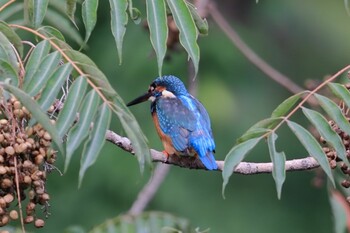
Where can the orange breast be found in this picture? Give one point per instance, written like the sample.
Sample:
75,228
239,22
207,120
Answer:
166,140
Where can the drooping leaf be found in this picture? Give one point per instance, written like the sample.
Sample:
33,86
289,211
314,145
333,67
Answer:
157,22
54,85
8,72
68,113
97,139
37,11
81,129
259,129
286,105
312,147
10,54
12,37
234,157
278,159
43,73
71,7
39,52
187,28
201,24
119,19
39,115
153,221
62,23
333,110
326,131
11,10
89,14
55,36
341,92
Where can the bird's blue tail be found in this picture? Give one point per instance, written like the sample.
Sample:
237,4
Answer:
209,161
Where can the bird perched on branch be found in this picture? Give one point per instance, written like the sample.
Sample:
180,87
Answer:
181,121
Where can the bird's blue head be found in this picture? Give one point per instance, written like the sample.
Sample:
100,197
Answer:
167,86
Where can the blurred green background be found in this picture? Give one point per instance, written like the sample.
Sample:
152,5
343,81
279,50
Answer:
302,39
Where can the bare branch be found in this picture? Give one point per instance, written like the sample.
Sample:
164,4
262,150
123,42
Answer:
245,168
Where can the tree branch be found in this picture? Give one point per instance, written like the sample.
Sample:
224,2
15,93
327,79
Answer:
245,168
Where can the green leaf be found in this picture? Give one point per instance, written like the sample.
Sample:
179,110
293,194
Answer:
89,14
8,72
55,36
12,37
286,105
39,52
341,92
201,24
187,28
43,73
134,13
278,159
9,53
312,147
81,129
118,23
38,114
68,113
326,131
234,157
53,86
153,221
11,10
333,110
37,11
259,129
94,144
71,7
61,22
157,22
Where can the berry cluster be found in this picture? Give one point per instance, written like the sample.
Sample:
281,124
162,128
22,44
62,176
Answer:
26,156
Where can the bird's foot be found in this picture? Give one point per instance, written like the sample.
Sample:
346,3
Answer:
166,156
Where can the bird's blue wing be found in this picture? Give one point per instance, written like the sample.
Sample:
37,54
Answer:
176,120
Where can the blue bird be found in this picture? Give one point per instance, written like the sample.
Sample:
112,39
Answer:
181,121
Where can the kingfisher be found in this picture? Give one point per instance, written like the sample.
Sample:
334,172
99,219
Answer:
181,121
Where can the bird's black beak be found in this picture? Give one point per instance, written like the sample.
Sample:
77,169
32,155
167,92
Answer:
140,99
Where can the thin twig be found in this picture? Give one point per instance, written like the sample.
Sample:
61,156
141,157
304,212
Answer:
245,168
19,196
6,4
249,53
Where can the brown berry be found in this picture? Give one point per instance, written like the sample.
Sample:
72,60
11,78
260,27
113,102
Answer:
39,223
345,183
8,198
13,214
10,150
29,219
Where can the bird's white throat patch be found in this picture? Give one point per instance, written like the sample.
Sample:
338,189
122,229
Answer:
168,94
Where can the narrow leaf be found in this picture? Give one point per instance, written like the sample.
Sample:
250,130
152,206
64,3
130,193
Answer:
7,48
39,52
259,129
55,36
326,131
157,22
341,92
12,37
8,72
68,113
234,157
97,139
89,14
11,10
71,7
286,105
340,211
278,159
53,86
333,110
187,28
37,10
312,147
43,73
81,129
119,19
201,24
39,115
